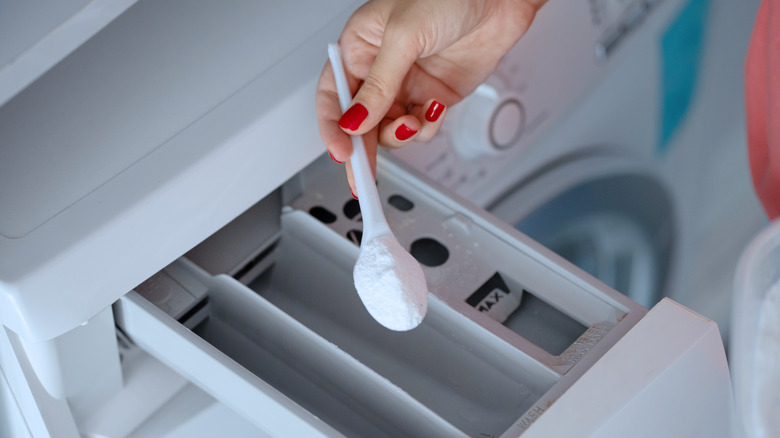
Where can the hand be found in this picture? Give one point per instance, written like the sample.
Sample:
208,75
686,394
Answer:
408,61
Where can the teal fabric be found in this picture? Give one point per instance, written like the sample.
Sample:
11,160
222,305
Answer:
681,53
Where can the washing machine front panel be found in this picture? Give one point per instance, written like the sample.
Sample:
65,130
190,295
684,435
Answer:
494,137
576,103
562,142
611,216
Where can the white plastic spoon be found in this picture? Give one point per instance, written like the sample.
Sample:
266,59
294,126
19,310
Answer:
388,279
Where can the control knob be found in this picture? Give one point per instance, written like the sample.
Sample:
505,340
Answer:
487,123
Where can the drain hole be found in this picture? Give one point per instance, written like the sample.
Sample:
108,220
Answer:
352,209
429,252
355,236
400,203
322,214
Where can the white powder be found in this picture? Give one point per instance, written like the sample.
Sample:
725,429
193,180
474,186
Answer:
767,366
391,284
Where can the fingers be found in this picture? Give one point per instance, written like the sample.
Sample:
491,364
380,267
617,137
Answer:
432,114
328,113
399,132
379,90
369,139
396,129
421,124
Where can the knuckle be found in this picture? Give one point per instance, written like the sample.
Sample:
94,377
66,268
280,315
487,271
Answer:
376,88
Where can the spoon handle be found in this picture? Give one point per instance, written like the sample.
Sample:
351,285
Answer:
374,222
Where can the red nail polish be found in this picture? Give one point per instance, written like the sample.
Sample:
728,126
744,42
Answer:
353,193
334,158
403,132
434,111
353,117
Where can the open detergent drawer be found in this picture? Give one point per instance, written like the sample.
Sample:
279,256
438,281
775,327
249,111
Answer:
272,327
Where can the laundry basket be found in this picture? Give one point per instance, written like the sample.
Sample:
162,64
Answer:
755,337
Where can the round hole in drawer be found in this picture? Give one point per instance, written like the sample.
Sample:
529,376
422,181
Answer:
429,252
355,236
400,202
322,214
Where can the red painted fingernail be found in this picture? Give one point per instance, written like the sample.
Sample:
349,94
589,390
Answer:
334,158
353,193
403,132
353,117
434,111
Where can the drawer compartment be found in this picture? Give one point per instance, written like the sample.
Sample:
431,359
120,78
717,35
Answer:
266,366
297,347
279,335
469,377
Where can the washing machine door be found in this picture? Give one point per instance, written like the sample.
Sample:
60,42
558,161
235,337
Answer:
609,215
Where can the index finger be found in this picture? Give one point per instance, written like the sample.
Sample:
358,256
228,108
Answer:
328,114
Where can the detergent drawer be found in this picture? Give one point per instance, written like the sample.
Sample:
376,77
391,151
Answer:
269,368
279,335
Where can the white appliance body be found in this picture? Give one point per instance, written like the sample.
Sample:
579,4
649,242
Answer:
628,157
176,261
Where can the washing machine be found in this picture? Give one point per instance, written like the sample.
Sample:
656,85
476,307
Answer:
614,135
176,263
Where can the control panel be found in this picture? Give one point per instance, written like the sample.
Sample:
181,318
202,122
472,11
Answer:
492,131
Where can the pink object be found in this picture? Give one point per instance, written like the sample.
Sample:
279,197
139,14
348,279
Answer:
762,98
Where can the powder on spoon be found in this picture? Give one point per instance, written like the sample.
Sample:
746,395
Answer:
391,284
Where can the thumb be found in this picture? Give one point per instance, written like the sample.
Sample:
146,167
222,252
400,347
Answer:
376,95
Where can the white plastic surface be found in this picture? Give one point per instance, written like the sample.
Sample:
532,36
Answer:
437,363
78,361
12,424
44,414
753,351
173,124
470,123
667,377
204,365
148,386
35,35
193,413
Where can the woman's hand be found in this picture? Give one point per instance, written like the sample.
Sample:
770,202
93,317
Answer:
408,61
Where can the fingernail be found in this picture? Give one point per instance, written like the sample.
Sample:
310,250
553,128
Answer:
434,111
353,117
353,193
334,158
403,132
